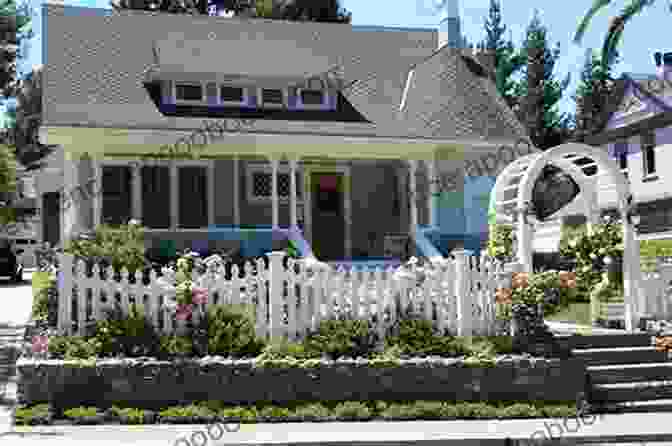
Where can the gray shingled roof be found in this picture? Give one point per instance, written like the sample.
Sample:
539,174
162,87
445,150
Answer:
95,65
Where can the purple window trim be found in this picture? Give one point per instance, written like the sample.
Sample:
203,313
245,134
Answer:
167,99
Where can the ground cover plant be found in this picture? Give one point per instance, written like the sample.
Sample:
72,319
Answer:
212,411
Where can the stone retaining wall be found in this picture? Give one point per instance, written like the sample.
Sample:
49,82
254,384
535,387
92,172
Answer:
153,384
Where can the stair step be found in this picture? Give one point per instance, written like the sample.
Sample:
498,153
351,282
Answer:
628,373
626,355
636,406
639,391
610,340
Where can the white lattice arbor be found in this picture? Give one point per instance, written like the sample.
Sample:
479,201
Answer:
511,200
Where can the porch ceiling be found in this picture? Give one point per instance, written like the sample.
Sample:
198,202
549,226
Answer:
111,142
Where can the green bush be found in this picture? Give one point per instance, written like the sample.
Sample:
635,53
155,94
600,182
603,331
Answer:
312,412
41,414
500,242
173,346
129,415
417,337
130,335
118,246
239,413
231,332
651,250
352,411
84,415
285,349
192,414
74,347
45,298
343,337
274,413
518,410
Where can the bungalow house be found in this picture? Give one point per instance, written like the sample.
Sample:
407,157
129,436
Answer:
327,131
637,135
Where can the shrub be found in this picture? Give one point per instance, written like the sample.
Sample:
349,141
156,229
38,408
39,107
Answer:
352,410
192,414
343,337
129,415
500,242
231,332
518,410
274,413
73,347
116,246
40,414
176,346
238,413
45,299
312,412
286,349
416,336
129,335
84,415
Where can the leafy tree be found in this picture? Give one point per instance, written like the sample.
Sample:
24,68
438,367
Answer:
592,94
7,184
295,10
539,90
15,27
616,25
507,60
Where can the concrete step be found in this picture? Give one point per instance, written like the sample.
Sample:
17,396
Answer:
629,373
635,406
639,391
625,355
608,340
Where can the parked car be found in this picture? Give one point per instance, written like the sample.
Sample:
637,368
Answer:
10,265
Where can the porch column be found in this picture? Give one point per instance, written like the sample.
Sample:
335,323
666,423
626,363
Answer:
412,185
274,190
433,193
211,193
97,193
236,191
293,162
136,194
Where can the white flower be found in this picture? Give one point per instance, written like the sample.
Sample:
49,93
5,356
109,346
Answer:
413,260
573,243
606,218
134,222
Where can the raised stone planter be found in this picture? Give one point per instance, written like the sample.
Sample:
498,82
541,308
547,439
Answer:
154,384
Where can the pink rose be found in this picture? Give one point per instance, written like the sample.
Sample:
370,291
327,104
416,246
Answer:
199,296
183,311
40,344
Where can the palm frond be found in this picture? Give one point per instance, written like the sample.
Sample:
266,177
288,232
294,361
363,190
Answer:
583,26
616,27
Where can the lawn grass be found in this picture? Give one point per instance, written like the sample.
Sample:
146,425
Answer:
576,312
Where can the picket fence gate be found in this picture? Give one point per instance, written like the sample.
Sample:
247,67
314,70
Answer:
457,294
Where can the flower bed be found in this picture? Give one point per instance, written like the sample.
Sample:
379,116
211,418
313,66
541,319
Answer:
152,383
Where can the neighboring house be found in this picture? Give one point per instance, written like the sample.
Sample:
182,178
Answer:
357,109
639,136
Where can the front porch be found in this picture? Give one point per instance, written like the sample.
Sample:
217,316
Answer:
339,202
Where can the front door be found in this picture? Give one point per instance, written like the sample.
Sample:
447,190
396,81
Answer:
51,218
328,217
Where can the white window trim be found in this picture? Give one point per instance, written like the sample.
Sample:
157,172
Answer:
246,93
204,97
283,169
311,106
260,95
174,187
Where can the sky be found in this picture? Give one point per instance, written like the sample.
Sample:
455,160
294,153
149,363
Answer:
561,17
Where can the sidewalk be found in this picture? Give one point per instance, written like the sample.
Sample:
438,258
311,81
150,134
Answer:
621,428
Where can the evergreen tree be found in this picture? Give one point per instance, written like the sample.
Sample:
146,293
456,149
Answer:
539,90
592,94
15,28
507,60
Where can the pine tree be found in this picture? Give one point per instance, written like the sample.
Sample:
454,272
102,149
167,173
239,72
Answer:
507,60
592,94
540,91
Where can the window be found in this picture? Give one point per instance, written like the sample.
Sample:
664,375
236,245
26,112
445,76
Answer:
189,92
272,97
312,97
231,94
156,197
193,197
649,153
117,195
621,152
259,185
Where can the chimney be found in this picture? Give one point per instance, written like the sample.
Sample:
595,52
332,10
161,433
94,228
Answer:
663,65
450,32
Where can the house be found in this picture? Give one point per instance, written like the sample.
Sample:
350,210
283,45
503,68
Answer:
351,121
638,135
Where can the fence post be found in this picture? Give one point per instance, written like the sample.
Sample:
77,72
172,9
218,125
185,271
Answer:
464,308
276,278
65,293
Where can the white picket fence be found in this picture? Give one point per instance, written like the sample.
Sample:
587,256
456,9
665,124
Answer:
656,301
457,295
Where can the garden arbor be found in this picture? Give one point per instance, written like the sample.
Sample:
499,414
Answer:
565,181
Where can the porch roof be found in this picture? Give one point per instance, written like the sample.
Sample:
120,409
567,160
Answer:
134,143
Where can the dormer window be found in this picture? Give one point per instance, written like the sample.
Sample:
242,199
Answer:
312,97
189,93
229,95
272,97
